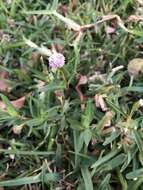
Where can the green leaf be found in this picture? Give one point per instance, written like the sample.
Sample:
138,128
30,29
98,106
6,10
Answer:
122,180
130,155
30,180
135,174
88,115
28,152
113,136
87,178
75,124
10,108
101,124
132,89
87,135
104,183
80,141
34,122
54,5
104,159
138,141
136,184
115,162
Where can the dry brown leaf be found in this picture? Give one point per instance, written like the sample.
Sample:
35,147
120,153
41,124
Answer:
99,102
41,84
82,80
19,103
4,85
135,67
17,129
108,117
135,18
11,22
1,147
12,156
64,9
59,48
74,4
60,96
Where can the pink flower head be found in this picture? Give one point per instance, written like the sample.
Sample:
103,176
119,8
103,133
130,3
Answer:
56,60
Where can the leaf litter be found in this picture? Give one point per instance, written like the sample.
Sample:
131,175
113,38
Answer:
98,108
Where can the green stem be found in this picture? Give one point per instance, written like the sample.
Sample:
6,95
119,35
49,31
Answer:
131,81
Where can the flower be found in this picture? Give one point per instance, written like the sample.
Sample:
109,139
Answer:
56,60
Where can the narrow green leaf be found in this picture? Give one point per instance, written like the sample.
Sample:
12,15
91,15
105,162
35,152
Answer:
88,115
115,162
138,141
105,182
20,181
87,135
87,178
132,89
135,174
10,108
75,124
136,184
130,155
21,152
122,180
30,180
54,5
113,136
104,159
80,141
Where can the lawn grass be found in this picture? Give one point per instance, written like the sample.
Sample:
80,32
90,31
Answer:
80,126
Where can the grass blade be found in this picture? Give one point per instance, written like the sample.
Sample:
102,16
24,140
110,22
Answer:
87,178
30,180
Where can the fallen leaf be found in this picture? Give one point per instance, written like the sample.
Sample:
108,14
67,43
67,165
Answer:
78,37
41,84
64,9
74,4
1,147
60,96
19,103
108,116
12,156
127,138
135,18
35,56
59,48
99,102
4,85
82,80
11,22
135,67
17,129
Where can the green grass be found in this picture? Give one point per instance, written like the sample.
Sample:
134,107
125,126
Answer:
55,141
